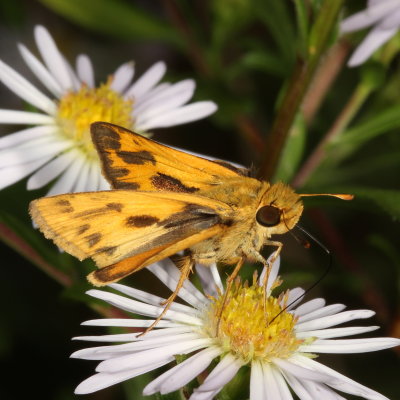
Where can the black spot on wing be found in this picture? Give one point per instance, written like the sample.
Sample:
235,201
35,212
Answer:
170,184
63,203
118,172
115,206
126,185
93,239
104,137
83,228
141,221
109,250
136,157
65,206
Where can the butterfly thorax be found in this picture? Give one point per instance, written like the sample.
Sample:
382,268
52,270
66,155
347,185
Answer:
242,234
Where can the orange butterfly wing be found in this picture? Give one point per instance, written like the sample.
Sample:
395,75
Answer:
131,161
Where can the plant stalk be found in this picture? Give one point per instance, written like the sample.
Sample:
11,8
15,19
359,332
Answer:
298,85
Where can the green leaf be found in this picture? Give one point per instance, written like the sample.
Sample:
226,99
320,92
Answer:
267,63
302,24
380,123
114,18
292,152
366,168
277,18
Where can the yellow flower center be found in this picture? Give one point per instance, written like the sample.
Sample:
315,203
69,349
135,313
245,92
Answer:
77,110
248,329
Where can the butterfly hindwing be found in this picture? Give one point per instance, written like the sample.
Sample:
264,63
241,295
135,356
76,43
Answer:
131,161
114,225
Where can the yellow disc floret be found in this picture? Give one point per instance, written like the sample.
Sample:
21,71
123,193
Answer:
77,110
247,328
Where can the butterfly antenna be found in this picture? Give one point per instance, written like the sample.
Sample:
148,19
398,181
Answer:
326,272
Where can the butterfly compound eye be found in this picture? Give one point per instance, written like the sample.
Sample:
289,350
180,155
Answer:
268,216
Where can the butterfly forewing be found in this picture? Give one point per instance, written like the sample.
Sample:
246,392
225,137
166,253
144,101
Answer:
130,161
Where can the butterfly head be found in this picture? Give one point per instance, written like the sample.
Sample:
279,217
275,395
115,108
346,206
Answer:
280,209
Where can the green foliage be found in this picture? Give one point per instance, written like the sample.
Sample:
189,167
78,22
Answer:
115,18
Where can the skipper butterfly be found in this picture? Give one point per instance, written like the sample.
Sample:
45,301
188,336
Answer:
163,202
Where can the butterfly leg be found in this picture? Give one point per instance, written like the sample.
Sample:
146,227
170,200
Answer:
270,263
267,265
186,266
229,283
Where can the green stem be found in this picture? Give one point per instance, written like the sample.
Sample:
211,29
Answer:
355,102
298,86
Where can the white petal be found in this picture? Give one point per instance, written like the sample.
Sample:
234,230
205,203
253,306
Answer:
40,71
309,306
173,97
150,298
51,170
392,21
319,391
10,175
76,83
282,385
104,380
271,387
196,395
23,135
169,274
210,279
336,332
83,177
182,115
301,372
25,90
84,69
151,94
369,16
151,356
147,81
130,323
122,77
184,372
298,388
68,179
326,322
223,373
129,337
272,275
24,117
375,39
141,344
350,345
257,388
94,177
103,184
142,308
53,58
295,297
322,312
344,383
32,150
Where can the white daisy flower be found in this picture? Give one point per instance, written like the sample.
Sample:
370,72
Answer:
281,353
57,144
384,16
